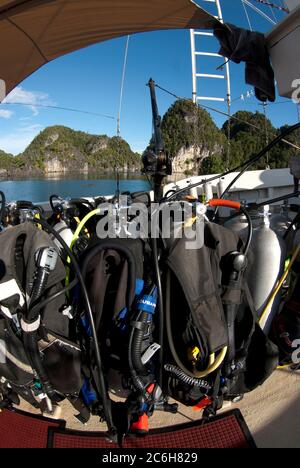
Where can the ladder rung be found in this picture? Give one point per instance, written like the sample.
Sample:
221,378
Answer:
202,33
207,98
210,1
207,75
208,54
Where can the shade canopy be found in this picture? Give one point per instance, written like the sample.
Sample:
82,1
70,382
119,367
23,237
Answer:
34,32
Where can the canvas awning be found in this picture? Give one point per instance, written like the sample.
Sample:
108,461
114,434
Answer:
34,32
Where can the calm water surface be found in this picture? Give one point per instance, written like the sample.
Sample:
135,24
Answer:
39,189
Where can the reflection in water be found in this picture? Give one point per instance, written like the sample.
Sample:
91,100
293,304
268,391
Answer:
39,189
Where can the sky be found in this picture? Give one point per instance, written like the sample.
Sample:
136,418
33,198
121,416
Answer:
89,80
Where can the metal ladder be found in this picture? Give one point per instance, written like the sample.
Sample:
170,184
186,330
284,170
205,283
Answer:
196,76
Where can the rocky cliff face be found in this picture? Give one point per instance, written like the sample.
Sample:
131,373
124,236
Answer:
189,160
60,149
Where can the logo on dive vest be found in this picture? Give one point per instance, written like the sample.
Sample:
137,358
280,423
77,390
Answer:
148,303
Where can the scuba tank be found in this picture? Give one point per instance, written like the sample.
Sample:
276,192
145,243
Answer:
238,225
269,252
65,232
280,222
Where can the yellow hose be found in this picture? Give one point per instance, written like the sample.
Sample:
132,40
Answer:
82,225
279,286
85,229
214,364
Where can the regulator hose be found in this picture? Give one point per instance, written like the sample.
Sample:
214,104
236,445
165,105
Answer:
136,379
160,308
144,317
137,341
83,223
236,206
102,385
192,381
214,364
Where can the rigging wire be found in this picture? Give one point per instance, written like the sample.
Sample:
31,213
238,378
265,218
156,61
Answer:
67,109
120,112
273,5
273,13
260,12
122,86
227,115
247,16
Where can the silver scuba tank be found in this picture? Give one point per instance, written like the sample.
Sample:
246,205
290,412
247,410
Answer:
280,222
269,253
65,232
239,225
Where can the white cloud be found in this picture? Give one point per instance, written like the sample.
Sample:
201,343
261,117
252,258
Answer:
32,99
17,141
5,114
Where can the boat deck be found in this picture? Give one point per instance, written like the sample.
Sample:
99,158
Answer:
272,413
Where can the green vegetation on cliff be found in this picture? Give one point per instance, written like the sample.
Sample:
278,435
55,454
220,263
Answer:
76,149
61,147
191,137
187,126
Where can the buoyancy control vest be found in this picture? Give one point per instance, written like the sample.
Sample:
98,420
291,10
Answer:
60,356
197,299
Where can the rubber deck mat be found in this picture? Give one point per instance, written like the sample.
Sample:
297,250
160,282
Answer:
23,430
226,431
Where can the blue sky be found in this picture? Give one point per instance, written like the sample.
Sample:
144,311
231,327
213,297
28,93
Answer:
90,80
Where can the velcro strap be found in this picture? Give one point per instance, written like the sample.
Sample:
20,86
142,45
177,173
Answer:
31,327
10,289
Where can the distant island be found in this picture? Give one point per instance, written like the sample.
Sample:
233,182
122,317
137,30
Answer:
191,136
60,149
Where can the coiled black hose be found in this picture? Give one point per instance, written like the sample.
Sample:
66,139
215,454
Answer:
183,377
136,379
137,342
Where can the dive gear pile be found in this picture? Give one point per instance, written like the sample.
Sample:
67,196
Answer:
81,320
118,325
